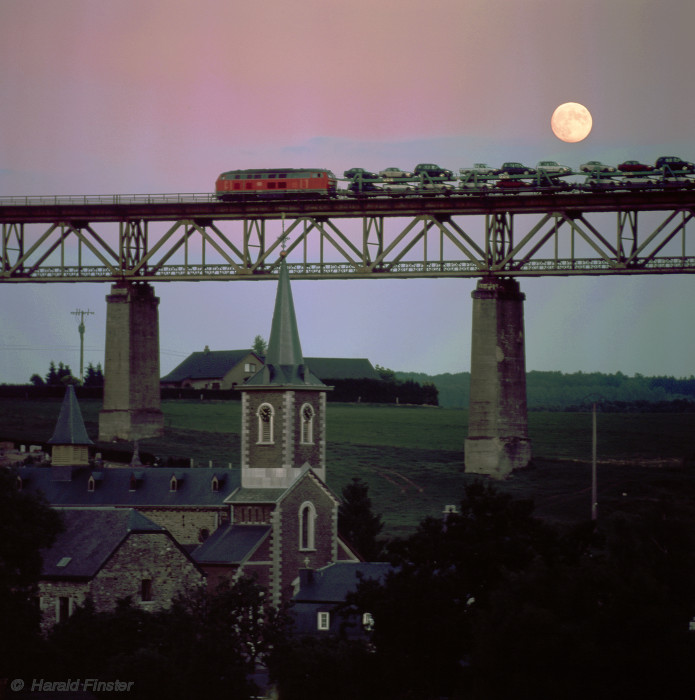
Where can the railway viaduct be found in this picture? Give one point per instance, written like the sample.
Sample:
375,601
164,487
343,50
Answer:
134,241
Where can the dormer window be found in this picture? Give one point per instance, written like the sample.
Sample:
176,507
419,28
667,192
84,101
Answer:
91,484
174,483
217,481
19,483
266,419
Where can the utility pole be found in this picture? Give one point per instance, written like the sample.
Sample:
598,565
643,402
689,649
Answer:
80,328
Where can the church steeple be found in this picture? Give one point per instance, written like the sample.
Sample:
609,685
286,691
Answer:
284,362
283,431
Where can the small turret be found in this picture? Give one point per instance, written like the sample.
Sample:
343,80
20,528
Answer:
70,442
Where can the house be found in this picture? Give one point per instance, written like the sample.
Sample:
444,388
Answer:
229,369
320,593
213,369
109,554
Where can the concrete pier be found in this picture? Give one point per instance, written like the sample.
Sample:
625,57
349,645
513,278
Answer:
132,406
498,426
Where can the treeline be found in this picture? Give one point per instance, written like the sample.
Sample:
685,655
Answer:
557,391
382,391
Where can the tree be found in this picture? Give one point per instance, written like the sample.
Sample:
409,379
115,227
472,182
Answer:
27,525
260,346
37,380
52,376
205,645
492,600
388,375
357,523
94,376
60,376
424,611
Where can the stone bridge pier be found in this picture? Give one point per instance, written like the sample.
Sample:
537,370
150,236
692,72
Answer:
132,406
497,440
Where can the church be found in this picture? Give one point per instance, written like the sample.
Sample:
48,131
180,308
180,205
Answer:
272,518
284,518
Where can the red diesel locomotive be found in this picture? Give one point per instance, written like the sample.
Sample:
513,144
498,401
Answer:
275,182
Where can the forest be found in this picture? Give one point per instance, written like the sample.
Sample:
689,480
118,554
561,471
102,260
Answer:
557,391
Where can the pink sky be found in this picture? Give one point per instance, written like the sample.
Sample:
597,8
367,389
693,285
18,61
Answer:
162,95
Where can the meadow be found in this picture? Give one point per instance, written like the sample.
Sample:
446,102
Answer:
412,457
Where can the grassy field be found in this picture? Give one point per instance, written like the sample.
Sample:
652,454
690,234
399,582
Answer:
412,457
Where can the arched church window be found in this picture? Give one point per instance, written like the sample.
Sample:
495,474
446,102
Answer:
307,526
307,422
266,418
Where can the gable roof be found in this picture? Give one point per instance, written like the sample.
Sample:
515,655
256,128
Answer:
90,537
70,428
208,364
263,495
112,486
231,544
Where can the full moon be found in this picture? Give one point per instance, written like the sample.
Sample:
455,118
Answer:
571,122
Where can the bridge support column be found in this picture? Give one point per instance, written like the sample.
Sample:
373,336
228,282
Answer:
497,425
132,406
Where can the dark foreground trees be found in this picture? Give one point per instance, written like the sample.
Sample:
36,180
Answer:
494,603
27,524
206,645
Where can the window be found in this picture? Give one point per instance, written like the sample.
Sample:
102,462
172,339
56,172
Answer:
173,484
307,527
307,422
249,367
146,590
323,621
91,484
266,417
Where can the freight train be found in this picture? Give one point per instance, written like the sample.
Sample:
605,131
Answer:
428,179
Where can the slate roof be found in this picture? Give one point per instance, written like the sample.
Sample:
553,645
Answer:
258,495
70,428
332,583
231,544
112,486
208,364
284,362
91,536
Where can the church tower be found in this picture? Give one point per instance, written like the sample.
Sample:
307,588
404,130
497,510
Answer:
283,425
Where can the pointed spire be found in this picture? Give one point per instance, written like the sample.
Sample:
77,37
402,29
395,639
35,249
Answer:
70,428
284,362
284,347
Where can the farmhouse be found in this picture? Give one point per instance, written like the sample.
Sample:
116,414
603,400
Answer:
229,369
213,369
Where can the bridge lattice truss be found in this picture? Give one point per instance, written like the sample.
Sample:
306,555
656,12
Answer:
194,237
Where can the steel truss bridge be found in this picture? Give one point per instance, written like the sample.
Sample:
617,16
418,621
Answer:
158,238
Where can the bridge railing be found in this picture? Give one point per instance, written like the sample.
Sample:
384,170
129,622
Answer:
39,200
